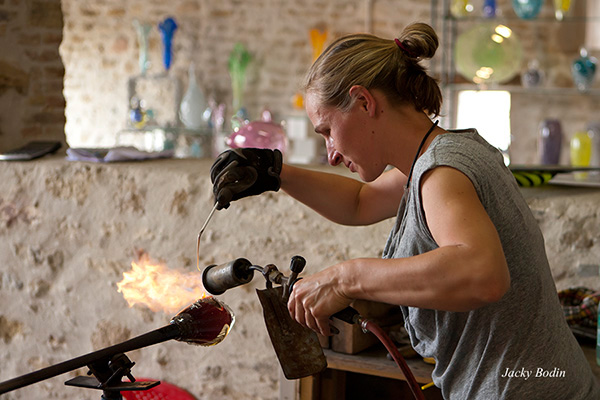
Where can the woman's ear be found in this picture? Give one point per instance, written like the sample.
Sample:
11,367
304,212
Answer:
364,98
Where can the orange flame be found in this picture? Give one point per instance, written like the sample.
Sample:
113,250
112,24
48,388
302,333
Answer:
159,288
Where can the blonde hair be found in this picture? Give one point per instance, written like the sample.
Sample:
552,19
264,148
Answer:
376,63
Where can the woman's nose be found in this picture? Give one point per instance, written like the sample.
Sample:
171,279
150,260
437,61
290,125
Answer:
333,157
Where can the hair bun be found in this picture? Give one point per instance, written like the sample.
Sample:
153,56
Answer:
419,40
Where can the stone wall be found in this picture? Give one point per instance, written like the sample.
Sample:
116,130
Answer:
69,230
31,72
100,50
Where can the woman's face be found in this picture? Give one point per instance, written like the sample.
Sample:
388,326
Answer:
349,137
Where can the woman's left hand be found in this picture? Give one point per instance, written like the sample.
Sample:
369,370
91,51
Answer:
315,298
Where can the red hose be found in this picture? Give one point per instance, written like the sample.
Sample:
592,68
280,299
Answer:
389,345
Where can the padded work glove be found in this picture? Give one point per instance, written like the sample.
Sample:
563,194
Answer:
240,173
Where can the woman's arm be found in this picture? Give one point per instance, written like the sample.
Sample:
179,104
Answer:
467,271
342,199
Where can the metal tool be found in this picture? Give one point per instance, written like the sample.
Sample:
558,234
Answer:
297,347
201,232
195,325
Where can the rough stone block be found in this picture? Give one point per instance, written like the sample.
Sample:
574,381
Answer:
45,14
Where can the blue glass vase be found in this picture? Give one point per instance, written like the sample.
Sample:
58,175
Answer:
167,29
584,70
527,9
489,8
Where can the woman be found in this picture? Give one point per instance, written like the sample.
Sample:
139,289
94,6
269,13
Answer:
465,261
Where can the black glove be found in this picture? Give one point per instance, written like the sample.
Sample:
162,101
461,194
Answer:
240,173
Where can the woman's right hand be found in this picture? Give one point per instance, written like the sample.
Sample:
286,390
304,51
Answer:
240,173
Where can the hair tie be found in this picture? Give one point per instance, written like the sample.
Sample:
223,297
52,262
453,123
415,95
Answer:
404,49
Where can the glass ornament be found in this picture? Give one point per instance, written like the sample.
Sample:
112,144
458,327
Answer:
460,8
583,70
533,76
489,8
550,141
193,105
167,29
488,53
593,131
562,8
527,9
317,41
238,64
263,134
143,30
581,149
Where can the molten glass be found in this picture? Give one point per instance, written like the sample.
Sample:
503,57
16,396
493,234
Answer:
205,323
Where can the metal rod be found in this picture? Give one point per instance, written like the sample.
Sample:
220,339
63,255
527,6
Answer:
200,234
160,335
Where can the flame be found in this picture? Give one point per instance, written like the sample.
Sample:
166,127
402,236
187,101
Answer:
159,288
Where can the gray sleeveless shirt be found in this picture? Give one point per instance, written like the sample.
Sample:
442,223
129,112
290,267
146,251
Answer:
519,347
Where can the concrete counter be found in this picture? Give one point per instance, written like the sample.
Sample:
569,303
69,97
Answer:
68,230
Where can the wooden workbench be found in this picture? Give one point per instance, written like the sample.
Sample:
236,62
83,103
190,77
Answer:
366,375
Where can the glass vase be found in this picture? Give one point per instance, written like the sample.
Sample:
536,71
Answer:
550,142
489,8
593,131
193,104
581,149
584,70
562,8
167,29
527,9
143,30
238,64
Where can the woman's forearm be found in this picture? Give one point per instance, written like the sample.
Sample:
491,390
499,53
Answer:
452,278
344,200
333,196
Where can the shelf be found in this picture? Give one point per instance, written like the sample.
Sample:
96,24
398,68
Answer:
374,362
514,18
523,90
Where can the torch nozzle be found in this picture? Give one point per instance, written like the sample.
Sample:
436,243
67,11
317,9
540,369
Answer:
216,279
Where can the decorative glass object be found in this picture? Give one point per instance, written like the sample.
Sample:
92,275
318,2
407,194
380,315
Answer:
143,30
317,41
460,8
581,149
533,76
193,105
562,8
238,64
527,9
218,123
584,70
167,29
488,52
263,134
550,142
489,8
593,131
